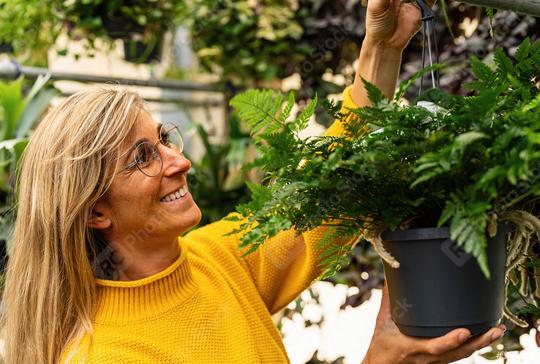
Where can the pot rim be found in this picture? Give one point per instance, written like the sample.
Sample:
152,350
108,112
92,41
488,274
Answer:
431,233
417,234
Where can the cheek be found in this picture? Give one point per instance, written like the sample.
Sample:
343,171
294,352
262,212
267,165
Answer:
134,196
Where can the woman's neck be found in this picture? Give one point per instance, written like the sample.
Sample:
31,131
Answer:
129,260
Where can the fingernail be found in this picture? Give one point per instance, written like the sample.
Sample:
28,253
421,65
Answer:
463,336
497,334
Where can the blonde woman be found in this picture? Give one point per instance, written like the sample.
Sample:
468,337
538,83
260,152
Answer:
98,273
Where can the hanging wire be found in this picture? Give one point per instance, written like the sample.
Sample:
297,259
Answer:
429,42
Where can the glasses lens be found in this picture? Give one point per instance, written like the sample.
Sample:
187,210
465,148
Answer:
172,137
148,159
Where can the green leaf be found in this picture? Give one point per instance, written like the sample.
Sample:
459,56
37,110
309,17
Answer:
301,121
13,103
503,62
374,94
465,139
259,108
481,70
523,50
32,112
286,112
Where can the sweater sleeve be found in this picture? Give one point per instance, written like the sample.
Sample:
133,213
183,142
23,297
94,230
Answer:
338,127
288,263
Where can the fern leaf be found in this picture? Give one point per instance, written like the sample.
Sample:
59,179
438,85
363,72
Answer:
523,50
481,70
301,121
374,94
286,112
258,107
503,62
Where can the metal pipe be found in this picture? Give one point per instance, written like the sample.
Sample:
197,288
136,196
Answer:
175,100
529,7
11,69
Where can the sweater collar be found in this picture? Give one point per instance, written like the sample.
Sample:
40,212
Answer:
125,301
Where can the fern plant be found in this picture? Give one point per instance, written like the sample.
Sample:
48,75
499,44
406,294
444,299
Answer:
471,162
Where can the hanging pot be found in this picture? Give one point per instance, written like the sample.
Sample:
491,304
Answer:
439,287
139,51
120,28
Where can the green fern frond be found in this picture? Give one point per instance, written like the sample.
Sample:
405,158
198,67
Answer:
301,121
259,108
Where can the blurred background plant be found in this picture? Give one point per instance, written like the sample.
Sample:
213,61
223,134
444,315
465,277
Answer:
31,27
247,42
217,181
20,109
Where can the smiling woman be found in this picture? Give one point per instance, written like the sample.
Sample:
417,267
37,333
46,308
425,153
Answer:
99,274
151,184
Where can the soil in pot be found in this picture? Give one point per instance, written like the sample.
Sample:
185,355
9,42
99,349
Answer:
439,287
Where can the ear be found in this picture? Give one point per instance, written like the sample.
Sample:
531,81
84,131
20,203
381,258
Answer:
100,218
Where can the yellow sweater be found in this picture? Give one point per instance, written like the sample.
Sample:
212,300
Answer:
210,306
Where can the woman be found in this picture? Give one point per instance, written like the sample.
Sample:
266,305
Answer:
99,275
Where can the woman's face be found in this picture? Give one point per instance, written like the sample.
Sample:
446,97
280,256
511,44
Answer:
142,207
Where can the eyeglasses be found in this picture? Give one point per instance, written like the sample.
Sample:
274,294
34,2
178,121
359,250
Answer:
145,155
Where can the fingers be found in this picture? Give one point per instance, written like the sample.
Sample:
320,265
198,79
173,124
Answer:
379,6
475,344
441,345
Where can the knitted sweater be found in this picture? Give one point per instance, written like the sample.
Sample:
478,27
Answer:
210,306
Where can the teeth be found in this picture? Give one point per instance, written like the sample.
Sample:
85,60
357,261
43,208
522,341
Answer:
175,195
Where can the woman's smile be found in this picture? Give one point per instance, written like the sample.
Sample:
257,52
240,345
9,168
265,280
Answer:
178,195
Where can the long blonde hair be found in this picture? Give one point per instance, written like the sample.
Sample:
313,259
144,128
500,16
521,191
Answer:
67,166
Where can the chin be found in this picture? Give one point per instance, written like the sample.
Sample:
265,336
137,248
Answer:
190,218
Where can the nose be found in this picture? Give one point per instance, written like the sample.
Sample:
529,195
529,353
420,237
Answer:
173,161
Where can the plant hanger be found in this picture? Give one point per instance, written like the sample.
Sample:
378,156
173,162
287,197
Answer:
429,41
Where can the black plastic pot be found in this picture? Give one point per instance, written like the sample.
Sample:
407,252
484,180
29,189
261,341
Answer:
439,287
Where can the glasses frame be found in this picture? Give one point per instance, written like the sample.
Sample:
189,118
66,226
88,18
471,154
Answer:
156,155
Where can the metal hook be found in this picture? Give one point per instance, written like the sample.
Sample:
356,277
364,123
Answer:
427,12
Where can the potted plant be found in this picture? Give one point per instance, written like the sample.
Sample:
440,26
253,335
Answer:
459,177
248,42
139,23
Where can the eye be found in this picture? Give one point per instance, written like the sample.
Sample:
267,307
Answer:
142,155
165,139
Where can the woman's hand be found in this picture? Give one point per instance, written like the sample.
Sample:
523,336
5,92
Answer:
389,345
392,23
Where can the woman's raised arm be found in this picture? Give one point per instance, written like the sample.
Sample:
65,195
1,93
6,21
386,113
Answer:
390,25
